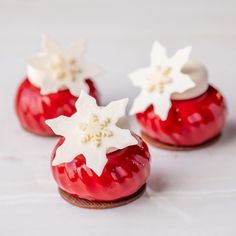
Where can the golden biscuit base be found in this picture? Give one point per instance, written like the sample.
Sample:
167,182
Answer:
169,147
83,203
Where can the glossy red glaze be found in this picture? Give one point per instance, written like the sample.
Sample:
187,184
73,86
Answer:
190,122
33,108
125,172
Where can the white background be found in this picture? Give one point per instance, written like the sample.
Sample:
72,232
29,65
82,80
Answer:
191,193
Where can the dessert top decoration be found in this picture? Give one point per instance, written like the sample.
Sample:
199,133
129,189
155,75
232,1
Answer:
198,74
57,68
91,131
165,79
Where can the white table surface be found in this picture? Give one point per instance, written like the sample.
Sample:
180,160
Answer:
192,193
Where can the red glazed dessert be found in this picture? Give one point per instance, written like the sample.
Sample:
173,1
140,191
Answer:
55,79
98,164
177,108
33,108
124,174
189,123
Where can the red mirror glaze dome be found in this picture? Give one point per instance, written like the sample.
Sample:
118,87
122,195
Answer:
33,108
189,123
125,172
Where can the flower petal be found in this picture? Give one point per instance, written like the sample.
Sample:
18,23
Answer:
122,138
116,109
69,150
76,87
139,77
182,83
50,86
60,125
162,106
77,49
179,59
90,71
158,54
97,161
50,45
141,103
85,105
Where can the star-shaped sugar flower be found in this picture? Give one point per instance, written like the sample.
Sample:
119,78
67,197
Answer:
91,131
57,68
160,80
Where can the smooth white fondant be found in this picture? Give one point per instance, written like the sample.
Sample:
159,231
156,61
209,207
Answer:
74,144
41,76
160,80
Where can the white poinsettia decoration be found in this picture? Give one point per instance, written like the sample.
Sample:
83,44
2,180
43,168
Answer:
91,131
57,68
160,80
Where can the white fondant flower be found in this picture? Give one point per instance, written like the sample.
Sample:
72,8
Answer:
58,68
91,131
160,80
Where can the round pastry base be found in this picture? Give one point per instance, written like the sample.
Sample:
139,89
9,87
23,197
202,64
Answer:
83,203
169,147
